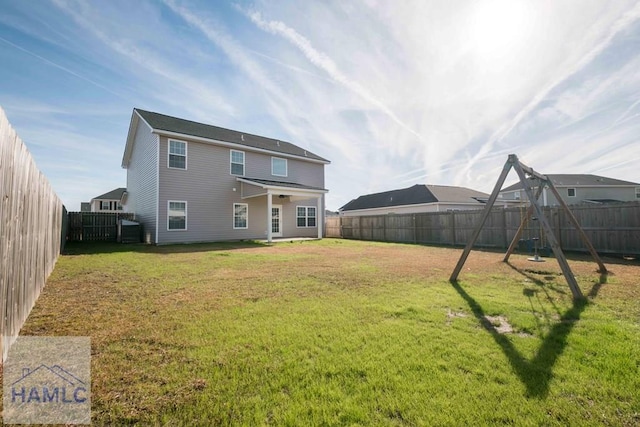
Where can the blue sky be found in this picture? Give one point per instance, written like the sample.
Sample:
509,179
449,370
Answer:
393,93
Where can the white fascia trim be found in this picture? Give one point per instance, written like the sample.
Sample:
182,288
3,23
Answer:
158,188
254,195
285,190
613,187
238,147
133,126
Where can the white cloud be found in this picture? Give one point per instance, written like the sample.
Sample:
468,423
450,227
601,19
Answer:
393,93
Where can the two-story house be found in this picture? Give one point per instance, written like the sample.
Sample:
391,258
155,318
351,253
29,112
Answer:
194,182
579,188
107,202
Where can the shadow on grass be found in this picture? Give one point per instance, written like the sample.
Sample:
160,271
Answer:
92,248
535,374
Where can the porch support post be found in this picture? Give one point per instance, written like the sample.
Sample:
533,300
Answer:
269,208
319,216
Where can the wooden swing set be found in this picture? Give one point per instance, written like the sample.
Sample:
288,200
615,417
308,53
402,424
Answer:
526,175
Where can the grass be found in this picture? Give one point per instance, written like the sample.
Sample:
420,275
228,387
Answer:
338,332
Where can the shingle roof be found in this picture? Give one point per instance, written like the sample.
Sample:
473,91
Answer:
112,195
163,122
417,194
577,180
451,194
268,182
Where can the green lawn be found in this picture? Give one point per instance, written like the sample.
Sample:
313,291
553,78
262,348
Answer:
338,332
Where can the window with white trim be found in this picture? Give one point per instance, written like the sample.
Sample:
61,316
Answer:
176,215
637,192
177,154
240,215
237,162
306,216
571,192
278,166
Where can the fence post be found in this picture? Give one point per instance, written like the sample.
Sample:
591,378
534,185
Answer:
453,228
504,229
413,223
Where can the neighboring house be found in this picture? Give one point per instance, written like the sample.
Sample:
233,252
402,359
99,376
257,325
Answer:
416,199
85,207
193,182
108,202
579,188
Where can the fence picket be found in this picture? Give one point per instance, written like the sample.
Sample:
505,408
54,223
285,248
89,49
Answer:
613,228
30,233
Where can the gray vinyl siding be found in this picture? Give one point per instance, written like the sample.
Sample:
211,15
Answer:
208,188
623,194
258,165
142,185
290,215
248,190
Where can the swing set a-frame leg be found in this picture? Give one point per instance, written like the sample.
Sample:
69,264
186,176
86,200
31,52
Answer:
551,238
521,169
523,223
485,214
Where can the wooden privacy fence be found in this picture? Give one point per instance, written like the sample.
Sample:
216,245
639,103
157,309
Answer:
30,233
95,226
611,228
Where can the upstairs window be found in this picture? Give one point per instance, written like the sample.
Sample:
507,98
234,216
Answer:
571,192
637,192
237,163
177,154
278,166
306,216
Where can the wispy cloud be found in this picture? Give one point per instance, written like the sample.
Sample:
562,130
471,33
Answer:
393,93
325,63
566,70
60,67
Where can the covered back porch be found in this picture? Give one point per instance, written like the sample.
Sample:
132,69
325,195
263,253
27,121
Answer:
307,201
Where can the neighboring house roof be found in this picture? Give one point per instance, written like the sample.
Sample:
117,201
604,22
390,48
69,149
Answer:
160,122
451,194
578,180
417,194
603,201
111,195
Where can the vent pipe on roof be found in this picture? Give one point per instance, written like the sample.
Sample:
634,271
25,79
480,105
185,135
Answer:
242,137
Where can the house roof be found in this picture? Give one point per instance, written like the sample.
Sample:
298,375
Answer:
578,180
270,183
111,195
415,195
161,122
